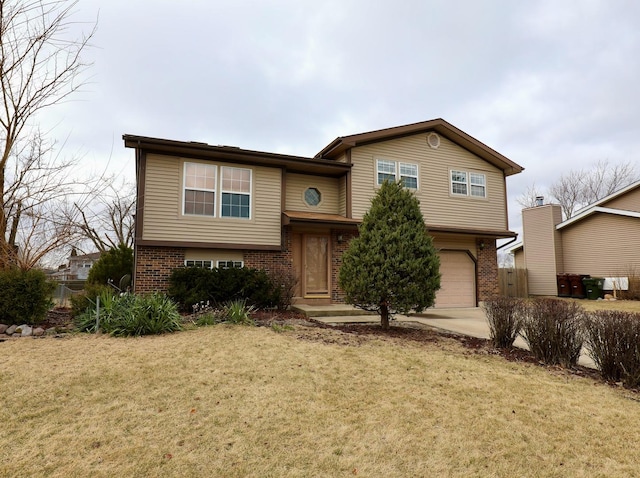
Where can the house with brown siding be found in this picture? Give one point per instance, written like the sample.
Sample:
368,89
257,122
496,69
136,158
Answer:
222,206
600,240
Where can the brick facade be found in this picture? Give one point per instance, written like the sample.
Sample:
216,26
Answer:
487,269
339,243
273,261
153,267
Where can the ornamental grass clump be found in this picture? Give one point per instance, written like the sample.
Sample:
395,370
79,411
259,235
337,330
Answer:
504,315
131,315
612,340
553,330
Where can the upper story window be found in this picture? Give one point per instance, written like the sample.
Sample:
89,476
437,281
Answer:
199,189
203,191
464,183
236,192
312,196
392,170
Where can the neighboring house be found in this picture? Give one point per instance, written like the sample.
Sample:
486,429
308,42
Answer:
222,206
77,268
601,240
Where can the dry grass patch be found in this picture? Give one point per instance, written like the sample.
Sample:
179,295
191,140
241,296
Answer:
236,401
591,305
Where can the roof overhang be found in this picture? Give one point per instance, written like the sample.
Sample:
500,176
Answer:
232,154
488,233
303,217
440,126
597,209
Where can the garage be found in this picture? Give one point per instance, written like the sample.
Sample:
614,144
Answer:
458,280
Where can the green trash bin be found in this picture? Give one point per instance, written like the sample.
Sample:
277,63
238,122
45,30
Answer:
593,287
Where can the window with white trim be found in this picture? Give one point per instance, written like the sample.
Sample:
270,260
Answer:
230,264
236,192
388,170
464,183
203,264
199,189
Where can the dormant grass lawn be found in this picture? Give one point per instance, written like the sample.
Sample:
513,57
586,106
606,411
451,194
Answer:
237,401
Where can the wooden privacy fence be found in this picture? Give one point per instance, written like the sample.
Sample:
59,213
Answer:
513,282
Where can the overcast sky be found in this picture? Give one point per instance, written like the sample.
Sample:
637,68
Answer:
553,85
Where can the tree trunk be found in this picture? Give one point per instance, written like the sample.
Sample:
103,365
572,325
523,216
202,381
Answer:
384,316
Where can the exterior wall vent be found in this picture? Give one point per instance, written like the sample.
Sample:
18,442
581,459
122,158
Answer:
433,140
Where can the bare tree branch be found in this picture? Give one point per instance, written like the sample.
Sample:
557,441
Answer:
40,66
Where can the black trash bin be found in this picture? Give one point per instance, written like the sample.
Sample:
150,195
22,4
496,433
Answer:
593,287
564,286
577,287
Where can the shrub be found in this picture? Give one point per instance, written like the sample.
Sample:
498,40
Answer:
193,285
25,296
87,298
237,312
504,315
283,283
553,330
114,265
612,341
128,314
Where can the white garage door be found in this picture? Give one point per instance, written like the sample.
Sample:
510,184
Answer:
458,281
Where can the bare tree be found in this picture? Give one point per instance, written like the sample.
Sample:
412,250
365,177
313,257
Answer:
528,198
107,220
568,191
580,187
39,67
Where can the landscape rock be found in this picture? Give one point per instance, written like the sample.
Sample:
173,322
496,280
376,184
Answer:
26,331
38,331
3,328
11,330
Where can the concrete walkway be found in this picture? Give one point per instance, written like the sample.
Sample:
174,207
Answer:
465,321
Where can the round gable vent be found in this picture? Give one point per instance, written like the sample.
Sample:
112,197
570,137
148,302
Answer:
433,140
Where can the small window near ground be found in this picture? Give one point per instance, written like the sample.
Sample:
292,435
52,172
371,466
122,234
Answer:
312,196
203,264
230,264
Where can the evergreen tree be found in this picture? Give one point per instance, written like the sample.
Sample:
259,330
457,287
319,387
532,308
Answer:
392,266
113,265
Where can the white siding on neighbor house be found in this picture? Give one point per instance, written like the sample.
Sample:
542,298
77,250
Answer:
438,205
602,245
164,220
542,248
297,184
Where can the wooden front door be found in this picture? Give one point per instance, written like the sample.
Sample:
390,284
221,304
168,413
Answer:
314,270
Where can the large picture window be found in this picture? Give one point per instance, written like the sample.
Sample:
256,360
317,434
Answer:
199,189
392,170
236,192
464,183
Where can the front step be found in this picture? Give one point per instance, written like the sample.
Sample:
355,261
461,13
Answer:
333,310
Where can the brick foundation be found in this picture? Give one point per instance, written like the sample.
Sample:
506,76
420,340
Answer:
154,266
487,269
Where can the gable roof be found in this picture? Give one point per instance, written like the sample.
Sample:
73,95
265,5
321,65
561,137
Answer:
613,195
440,126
